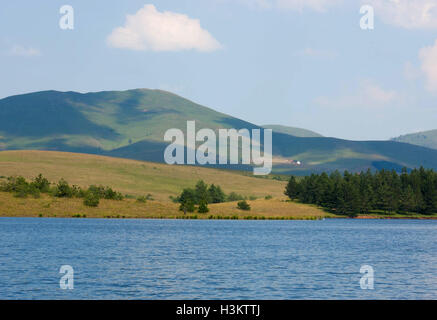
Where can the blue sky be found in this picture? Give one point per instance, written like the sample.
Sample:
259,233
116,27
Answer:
290,62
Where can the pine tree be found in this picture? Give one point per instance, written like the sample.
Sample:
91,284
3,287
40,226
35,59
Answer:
201,192
407,202
216,194
429,194
350,194
292,188
203,207
187,200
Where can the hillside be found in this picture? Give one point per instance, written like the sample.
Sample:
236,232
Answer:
293,131
130,176
100,121
131,124
137,178
425,138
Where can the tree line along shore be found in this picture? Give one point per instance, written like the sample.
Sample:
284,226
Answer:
381,194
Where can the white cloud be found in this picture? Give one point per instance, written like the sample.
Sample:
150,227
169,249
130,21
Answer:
367,96
409,14
22,51
428,58
149,29
377,94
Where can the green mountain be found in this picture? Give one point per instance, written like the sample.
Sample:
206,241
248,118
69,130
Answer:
425,138
131,124
293,131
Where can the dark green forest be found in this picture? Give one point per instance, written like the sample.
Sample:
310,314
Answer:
368,192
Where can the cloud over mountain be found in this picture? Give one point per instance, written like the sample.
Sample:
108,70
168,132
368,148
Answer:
151,30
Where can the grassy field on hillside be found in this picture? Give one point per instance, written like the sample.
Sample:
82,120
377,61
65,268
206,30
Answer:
47,206
137,178
130,176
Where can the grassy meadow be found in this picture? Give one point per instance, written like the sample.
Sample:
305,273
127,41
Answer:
130,176
47,206
137,178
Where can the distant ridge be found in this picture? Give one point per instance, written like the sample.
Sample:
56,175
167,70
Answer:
424,138
131,124
293,131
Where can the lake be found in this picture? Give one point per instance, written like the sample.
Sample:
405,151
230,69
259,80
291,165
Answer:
217,259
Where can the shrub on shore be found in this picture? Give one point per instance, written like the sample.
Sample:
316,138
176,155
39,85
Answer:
91,200
203,207
233,196
63,190
202,195
243,205
105,193
22,188
142,199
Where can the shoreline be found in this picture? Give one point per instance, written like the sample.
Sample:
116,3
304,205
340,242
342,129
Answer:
398,218
197,217
47,206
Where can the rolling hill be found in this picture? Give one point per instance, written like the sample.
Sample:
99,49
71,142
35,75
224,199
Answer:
131,124
425,138
130,176
292,131
138,178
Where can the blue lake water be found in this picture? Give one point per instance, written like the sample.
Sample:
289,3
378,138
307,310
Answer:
210,259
